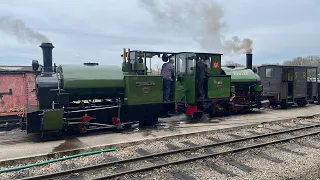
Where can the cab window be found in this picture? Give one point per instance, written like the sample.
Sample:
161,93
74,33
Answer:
269,72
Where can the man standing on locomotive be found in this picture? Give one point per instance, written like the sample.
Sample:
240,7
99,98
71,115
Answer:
167,71
201,76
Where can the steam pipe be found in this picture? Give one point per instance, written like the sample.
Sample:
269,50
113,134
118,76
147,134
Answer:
124,55
249,61
128,55
47,57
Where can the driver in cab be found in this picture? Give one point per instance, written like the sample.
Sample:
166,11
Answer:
201,76
167,72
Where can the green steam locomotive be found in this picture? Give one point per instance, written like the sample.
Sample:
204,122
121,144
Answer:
91,96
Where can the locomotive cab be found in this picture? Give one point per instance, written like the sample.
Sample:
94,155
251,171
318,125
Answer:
139,63
216,86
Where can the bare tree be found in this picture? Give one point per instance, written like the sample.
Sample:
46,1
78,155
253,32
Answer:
270,64
231,63
307,60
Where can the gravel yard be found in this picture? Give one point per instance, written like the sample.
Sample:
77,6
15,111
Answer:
203,169
292,166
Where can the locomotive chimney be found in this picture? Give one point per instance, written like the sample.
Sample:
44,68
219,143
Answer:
249,61
47,57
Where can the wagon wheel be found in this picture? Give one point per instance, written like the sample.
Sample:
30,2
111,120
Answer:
301,103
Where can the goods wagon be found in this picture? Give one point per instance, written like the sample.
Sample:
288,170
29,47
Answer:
16,89
288,85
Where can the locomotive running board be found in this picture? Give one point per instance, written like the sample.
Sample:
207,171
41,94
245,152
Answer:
93,109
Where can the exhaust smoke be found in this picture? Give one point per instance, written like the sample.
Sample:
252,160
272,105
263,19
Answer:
202,20
17,28
238,46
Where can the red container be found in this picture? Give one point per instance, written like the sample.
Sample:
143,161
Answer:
21,80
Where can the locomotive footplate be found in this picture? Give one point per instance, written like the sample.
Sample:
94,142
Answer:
82,120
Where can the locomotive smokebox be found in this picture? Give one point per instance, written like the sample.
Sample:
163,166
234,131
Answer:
249,61
47,57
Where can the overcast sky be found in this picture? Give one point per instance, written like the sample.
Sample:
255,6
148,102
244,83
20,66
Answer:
97,30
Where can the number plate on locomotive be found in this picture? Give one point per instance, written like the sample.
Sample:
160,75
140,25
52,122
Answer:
145,83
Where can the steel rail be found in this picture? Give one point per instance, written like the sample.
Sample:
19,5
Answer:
93,167
204,156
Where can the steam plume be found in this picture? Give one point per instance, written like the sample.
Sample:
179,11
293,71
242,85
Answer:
201,19
17,28
236,46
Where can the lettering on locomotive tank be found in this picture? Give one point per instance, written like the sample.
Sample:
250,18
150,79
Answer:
240,73
145,83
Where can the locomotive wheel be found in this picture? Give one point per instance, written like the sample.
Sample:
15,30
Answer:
58,133
151,121
22,123
249,110
196,116
284,105
205,117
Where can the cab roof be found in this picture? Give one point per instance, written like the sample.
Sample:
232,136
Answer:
150,54
201,53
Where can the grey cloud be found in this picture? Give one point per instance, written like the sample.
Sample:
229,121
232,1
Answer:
97,30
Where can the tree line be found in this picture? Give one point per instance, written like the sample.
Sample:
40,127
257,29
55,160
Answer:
298,61
305,61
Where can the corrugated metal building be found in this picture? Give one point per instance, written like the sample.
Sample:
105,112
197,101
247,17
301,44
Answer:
17,84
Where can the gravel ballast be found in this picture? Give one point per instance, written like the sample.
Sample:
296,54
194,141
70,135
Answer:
293,166
200,169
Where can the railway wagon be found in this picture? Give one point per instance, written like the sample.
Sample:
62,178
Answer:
313,86
16,90
248,88
287,85
91,96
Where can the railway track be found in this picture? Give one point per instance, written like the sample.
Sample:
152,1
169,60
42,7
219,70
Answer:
118,168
